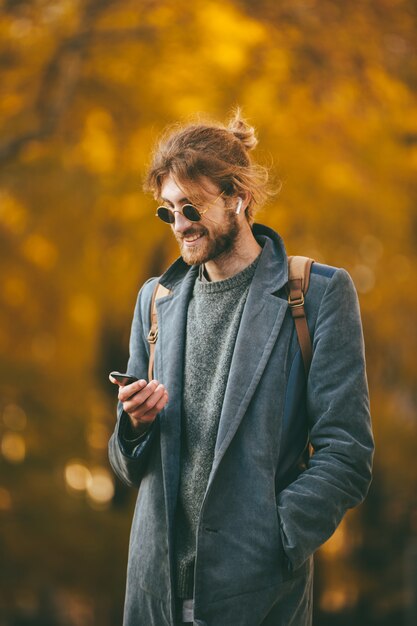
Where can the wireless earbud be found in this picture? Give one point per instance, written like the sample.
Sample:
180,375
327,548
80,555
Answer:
239,205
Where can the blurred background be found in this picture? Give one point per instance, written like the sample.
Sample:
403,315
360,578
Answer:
86,87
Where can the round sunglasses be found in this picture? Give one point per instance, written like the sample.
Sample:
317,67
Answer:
189,211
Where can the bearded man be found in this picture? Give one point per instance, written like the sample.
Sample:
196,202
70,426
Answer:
217,430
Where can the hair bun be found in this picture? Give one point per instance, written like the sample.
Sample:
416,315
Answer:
242,131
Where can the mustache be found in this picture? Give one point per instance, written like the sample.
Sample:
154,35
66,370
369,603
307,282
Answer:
190,232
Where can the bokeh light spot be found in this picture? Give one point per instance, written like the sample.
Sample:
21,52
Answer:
77,476
13,447
40,251
101,488
13,215
338,599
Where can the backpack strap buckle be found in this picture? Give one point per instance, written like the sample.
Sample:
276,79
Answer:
296,302
299,268
152,335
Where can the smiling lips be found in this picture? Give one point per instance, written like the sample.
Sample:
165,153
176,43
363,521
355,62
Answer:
192,239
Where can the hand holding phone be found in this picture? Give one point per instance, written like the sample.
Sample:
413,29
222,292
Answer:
142,401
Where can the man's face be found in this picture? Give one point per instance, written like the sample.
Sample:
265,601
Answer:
214,235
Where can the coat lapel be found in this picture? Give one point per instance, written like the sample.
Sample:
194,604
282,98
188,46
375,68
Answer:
261,322
169,365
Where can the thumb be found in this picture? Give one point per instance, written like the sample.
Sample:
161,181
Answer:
114,381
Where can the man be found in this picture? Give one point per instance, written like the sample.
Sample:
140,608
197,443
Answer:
231,505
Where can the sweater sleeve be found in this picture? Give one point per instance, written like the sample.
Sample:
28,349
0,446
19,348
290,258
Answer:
339,472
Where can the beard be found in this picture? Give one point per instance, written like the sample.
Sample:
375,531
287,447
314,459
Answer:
219,240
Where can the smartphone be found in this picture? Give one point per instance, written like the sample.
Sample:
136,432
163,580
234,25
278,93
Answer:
125,379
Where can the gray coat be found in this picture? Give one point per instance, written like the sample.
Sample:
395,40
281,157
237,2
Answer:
267,507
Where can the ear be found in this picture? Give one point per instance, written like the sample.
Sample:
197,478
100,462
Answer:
239,205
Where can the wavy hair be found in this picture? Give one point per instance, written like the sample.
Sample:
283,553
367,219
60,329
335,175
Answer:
220,153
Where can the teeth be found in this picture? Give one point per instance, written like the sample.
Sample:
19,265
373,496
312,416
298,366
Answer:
191,239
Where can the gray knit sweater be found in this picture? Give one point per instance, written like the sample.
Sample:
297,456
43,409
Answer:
214,314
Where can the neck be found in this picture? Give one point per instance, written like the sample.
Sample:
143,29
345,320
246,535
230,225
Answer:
244,252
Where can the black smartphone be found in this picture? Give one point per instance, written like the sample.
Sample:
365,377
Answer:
125,379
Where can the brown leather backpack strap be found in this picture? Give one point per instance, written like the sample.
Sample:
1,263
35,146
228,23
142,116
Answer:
299,268
159,292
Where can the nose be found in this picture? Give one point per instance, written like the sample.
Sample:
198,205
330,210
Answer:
181,223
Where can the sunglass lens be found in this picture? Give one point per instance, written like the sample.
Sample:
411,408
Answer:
165,215
190,212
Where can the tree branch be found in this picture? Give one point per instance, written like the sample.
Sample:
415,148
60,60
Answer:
61,77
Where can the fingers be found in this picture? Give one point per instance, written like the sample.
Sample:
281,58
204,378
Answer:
152,413
128,391
140,420
145,400
142,401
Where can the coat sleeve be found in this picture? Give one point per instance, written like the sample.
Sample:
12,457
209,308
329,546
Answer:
129,462
339,472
